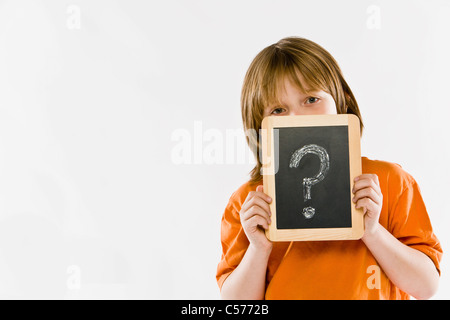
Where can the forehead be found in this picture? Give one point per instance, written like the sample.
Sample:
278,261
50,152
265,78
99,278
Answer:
284,83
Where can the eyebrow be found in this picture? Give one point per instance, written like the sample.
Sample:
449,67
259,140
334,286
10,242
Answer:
310,92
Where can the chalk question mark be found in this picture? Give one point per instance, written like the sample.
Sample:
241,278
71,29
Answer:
319,151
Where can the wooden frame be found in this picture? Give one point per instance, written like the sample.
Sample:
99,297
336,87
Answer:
267,135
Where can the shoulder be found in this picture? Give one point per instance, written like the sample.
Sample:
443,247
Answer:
391,175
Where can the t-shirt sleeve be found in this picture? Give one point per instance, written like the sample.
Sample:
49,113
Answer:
409,223
233,239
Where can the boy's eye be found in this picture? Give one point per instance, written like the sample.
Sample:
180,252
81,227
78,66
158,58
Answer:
312,100
277,111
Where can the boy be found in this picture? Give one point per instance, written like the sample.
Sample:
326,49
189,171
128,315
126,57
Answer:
398,255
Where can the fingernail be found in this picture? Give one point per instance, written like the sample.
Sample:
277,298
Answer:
269,198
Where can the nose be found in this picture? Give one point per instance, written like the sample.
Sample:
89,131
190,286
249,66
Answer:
295,112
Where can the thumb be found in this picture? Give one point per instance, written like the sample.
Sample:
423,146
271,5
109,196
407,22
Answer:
260,188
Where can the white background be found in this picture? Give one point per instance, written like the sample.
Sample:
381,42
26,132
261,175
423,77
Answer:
94,96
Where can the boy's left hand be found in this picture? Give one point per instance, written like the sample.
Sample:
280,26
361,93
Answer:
368,196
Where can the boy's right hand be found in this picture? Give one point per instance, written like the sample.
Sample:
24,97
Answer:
255,217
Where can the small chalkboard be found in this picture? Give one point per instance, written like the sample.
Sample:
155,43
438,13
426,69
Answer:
309,164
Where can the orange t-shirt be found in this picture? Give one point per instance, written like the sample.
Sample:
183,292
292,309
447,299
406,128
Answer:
336,269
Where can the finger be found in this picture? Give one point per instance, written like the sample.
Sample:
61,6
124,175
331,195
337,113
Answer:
257,201
367,193
256,221
367,205
260,192
367,183
255,211
257,193
367,176
371,177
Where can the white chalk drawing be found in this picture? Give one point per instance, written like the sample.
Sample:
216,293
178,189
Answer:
309,212
319,151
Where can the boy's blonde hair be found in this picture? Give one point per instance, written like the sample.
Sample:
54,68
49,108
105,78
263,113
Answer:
290,57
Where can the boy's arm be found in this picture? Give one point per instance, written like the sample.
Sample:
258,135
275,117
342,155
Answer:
409,269
248,280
